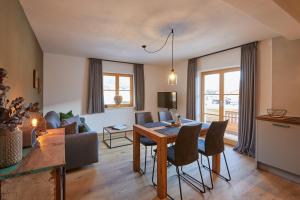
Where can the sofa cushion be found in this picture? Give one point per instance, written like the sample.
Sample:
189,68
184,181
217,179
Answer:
83,127
67,115
70,128
71,120
52,119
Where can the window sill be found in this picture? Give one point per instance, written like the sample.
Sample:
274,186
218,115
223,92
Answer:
121,107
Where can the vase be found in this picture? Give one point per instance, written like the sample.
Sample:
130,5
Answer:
118,99
10,147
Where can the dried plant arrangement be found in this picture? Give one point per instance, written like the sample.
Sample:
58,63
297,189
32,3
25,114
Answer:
12,113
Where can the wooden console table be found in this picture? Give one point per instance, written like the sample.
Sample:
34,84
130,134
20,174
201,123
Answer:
41,174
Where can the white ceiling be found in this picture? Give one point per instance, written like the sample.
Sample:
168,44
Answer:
112,29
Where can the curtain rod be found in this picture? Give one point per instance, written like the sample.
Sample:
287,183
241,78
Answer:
121,62
223,50
194,57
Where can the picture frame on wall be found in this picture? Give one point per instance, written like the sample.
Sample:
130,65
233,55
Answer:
35,79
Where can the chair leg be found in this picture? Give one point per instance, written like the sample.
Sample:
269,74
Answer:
227,179
201,176
220,175
201,160
145,166
188,178
177,170
210,174
151,150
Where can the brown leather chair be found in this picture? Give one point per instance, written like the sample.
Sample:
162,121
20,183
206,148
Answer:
164,116
213,145
142,118
184,152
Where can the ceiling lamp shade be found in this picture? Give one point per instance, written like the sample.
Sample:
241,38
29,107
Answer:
172,78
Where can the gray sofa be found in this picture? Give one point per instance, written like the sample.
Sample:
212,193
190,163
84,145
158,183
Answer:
81,148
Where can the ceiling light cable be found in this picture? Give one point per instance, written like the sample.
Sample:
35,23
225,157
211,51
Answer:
164,44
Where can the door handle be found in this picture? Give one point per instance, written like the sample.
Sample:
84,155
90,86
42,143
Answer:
280,125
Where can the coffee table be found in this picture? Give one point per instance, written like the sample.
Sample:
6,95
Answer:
109,131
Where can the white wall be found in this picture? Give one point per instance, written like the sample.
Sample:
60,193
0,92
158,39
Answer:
155,81
64,83
264,76
278,79
66,88
222,60
181,71
286,75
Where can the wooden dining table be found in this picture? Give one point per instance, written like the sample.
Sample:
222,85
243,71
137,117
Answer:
163,136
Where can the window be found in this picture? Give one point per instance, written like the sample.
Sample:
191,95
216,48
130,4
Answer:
220,97
115,84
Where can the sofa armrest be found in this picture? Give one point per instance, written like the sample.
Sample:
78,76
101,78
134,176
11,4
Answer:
81,149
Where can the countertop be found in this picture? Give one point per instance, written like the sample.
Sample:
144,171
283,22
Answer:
285,119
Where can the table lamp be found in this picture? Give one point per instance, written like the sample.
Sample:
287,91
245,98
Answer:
34,122
39,125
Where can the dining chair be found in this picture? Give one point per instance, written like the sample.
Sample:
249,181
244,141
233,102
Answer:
214,145
164,116
184,152
142,118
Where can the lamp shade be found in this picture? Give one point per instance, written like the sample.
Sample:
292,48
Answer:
34,122
172,79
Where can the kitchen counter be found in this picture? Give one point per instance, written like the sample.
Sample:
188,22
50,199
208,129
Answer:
277,146
285,119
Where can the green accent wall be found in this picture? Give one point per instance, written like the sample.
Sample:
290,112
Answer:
20,52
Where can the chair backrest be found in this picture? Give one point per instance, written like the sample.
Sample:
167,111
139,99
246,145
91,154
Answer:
143,118
164,116
186,145
214,140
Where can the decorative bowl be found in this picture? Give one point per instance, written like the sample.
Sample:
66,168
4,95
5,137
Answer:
276,112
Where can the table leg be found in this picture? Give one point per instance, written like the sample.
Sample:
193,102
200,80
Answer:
103,135
60,183
136,151
109,139
162,168
216,163
64,182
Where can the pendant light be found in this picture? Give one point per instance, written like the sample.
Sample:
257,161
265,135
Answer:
172,78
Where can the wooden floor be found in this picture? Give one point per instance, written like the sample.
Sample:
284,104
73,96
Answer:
113,179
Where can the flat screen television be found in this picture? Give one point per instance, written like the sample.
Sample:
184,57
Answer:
167,100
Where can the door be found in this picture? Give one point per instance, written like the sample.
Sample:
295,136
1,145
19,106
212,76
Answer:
220,98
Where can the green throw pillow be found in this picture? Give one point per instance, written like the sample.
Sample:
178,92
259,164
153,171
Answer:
65,115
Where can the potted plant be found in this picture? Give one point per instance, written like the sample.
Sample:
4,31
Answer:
12,113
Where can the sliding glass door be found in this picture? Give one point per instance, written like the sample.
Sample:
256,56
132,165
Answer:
220,97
